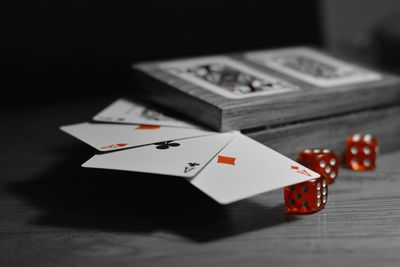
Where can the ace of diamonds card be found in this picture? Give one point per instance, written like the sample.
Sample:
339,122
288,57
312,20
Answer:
264,88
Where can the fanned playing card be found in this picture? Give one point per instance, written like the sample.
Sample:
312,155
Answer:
184,157
126,111
108,137
245,168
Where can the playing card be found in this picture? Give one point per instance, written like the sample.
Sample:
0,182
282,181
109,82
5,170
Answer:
245,168
312,66
125,111
227,77
108,137
179,158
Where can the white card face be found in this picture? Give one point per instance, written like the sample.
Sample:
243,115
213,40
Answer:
108,137
125,111
227,77
179,158
313,66
245,168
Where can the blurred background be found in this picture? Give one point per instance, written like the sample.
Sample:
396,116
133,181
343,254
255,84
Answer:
58,50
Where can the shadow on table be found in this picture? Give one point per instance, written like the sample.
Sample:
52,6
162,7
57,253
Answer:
79,198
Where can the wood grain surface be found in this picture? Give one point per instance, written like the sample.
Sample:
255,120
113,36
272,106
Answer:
223,114
55,213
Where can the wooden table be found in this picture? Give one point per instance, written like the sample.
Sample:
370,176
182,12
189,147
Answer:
55,213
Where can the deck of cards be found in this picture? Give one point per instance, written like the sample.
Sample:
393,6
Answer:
225,166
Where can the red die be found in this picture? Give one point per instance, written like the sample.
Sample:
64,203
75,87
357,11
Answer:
322,161
361,152
306,197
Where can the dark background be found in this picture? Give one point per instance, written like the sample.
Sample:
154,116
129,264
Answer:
58,50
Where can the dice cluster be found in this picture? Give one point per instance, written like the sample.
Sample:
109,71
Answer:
311,196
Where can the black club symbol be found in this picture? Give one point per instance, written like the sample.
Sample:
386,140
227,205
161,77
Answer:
192,166
166,145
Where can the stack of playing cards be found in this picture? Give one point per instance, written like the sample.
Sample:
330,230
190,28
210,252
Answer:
226,166
277,96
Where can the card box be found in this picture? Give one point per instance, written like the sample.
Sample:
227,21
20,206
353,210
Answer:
293,99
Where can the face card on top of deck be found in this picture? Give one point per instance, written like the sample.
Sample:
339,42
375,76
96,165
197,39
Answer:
227,77
313,66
